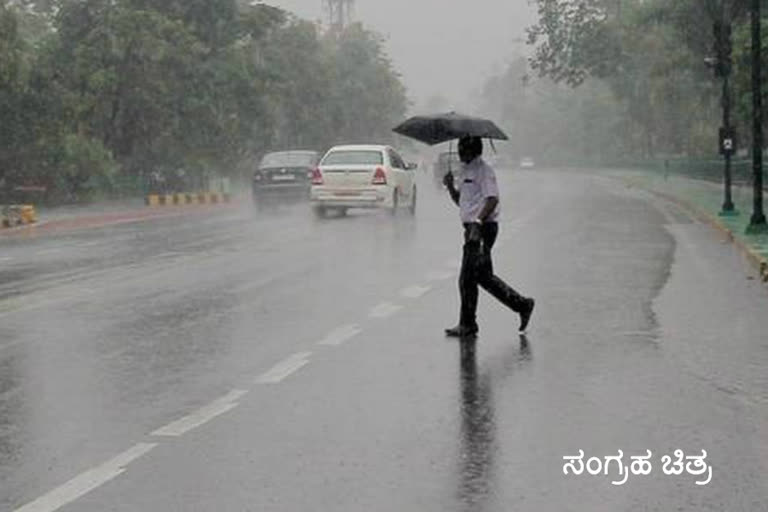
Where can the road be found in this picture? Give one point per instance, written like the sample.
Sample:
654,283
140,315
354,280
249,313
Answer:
270,361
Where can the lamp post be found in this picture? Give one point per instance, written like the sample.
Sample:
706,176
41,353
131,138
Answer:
723,68
728,146
757,223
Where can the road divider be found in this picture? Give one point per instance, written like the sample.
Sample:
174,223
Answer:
87,481
18,215
187,199
285,368
415,292
384,310
340,335
202,415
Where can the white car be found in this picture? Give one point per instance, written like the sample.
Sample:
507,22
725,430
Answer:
527,163
363,176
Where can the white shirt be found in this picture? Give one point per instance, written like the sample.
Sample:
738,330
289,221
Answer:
478,183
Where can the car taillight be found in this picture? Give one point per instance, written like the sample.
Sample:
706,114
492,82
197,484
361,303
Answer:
257,176
317,176
379,177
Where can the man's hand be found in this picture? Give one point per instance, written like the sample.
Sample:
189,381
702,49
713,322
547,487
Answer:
474,234
448,180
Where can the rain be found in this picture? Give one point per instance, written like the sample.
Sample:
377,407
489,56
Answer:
347,255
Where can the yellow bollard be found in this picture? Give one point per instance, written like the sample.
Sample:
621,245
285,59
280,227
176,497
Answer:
153,200
180,199
28,214
168,199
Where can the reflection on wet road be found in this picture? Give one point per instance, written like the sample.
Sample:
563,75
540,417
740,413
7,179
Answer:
478,432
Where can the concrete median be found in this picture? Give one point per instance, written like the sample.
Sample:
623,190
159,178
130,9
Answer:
182,199
18,215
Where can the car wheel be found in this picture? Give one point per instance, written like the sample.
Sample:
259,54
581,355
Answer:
412,209
319,211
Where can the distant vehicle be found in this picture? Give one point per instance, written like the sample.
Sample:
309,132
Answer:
446,162
527,163
363,176
284,174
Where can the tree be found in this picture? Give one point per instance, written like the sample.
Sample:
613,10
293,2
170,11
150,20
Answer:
138,86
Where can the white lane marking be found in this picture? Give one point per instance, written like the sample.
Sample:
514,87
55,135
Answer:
285,368
452,264
201,416
414,292
6,258
340,335
87,481
384,310
440,276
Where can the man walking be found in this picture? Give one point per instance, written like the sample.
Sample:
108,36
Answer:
478,200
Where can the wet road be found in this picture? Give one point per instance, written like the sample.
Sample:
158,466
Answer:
274,362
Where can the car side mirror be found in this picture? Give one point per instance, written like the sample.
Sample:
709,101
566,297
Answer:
411,166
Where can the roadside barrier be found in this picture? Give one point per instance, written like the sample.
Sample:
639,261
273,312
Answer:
185,199
18,215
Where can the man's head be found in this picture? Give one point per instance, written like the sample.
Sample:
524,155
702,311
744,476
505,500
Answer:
470,148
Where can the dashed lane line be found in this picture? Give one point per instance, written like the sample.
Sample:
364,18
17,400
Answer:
452,264
341,335
48,252
440,276
285,368
201,416
384,310
87,481
414,292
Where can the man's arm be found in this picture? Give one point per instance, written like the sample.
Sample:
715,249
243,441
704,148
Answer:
488,208
448,182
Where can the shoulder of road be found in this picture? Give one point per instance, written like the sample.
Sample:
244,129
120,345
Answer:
704,200
105,214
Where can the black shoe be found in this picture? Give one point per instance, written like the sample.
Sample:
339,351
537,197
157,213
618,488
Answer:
525,314
461,331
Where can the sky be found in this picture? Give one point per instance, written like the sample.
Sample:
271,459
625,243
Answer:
445,48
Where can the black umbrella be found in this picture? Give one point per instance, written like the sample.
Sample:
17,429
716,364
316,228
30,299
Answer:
444,127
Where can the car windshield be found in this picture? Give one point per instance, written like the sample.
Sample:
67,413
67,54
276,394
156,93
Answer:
356,157
287,160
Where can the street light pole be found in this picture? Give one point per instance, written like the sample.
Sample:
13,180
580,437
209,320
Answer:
728,208
722,63
757,222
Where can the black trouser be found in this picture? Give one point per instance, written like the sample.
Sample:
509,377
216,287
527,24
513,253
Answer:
477,269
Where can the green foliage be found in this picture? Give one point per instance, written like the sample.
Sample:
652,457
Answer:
148,86
651,55
85,167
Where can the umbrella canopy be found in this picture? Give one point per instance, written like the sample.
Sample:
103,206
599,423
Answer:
444,127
